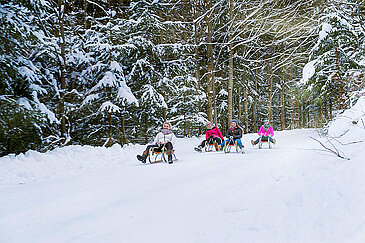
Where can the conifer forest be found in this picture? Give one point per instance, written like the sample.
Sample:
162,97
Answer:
101,72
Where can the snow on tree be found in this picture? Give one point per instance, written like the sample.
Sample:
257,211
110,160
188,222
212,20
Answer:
105,91
336,58
23,79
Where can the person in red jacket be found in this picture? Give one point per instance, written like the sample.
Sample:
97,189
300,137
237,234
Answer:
266,132
213,135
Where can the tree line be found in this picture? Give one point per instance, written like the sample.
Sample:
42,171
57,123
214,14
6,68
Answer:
102,72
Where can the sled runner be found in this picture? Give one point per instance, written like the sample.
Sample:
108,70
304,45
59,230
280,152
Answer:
261,142
211,146
156,155
232,145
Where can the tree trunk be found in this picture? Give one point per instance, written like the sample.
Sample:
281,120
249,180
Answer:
282,115
210,67
330,109
10,147
298,125
292,100
110,130
240,105
61,16
270,79
230,85
339,81
255,106
245,109
214,95
124,138
197,71
184,113
230,75
292,113
146,128
325,111
85,14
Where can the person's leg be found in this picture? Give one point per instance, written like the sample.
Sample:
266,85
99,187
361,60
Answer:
143,157
149,147
169,148
239,142
217,141
202,145
224,143
257,141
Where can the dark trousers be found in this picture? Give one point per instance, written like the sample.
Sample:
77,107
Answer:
265,139
211,141
168,146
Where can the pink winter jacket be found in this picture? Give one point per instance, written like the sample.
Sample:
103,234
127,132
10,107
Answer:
214,132
269,132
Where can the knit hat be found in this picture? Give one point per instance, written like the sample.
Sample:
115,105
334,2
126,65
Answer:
235,121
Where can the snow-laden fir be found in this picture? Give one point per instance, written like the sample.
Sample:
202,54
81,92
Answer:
295,192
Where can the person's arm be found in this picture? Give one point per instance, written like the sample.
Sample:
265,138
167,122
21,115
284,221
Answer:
261,131
173,139
219,134
156,141
270,131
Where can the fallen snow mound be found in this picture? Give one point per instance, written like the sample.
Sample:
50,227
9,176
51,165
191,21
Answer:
347,131
352,120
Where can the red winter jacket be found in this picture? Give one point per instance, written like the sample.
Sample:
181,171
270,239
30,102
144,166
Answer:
214,132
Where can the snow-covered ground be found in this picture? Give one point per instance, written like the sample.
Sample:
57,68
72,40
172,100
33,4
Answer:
292,193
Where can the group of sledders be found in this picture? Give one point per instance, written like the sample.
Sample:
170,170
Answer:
165,140
214,137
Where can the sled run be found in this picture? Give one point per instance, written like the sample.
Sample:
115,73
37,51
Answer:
291,193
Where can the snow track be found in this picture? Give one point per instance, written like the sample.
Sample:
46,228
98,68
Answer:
291,193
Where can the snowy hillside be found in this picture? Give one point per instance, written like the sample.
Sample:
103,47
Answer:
293,193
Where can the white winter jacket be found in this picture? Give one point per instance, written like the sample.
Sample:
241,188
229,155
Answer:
162,138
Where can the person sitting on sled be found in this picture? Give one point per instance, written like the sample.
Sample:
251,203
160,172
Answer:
213,135
165,138
234,134
266,132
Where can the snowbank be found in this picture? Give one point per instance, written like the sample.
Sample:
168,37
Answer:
347,131
352,120
34,166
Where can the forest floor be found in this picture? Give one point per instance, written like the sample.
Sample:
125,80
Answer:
291,193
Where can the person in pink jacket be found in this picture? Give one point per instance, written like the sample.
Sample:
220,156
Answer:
213,135
266,132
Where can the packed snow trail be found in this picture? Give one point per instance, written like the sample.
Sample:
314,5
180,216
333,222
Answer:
291,193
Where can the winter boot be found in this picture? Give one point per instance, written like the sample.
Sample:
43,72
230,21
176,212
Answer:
253,143
142,158
274,141
198,149
169,158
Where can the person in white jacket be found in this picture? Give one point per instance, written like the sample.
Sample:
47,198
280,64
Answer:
165,138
